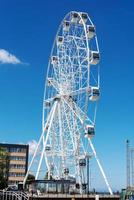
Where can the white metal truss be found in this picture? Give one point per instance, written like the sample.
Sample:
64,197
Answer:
70,103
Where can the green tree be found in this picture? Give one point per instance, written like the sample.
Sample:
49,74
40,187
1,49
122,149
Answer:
4,168
30,178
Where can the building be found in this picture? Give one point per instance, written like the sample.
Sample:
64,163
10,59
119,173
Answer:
18,162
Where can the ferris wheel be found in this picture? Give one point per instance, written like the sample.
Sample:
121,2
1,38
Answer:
72,90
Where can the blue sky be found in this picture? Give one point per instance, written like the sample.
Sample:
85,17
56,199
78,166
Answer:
28,28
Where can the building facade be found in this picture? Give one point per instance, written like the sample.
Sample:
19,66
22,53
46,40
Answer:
18,162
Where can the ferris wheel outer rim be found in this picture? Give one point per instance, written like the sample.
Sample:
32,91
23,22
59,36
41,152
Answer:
51,53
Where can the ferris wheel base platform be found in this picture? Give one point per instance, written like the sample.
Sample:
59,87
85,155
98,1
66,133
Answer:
75,197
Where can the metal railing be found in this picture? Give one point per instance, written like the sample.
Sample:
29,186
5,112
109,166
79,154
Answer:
12,195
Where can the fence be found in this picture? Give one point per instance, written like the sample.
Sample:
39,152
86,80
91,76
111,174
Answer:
11,195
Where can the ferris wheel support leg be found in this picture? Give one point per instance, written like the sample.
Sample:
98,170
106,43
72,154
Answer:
79,170
37,147
100,167
61,137
45,142
79,178
45,157
88,187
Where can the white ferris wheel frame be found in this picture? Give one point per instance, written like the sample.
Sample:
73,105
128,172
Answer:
64,105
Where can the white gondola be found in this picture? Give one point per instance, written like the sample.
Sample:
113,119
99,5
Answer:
84,17
74,17
60,40
49,81
54,60
94,58
47,104
82,162
94,93
90,31
66,171
48,148
89,131
66,26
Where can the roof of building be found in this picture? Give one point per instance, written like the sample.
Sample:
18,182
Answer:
14,145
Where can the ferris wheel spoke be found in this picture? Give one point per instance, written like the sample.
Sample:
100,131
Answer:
54,83
69,128
80,91
80,69
78,112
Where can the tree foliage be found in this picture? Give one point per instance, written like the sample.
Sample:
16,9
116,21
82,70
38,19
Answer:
4,168
30,178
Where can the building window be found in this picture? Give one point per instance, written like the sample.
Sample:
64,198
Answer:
16,166
20,158
17,149
14,174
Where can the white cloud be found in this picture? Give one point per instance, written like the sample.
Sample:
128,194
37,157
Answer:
8,58
32,146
